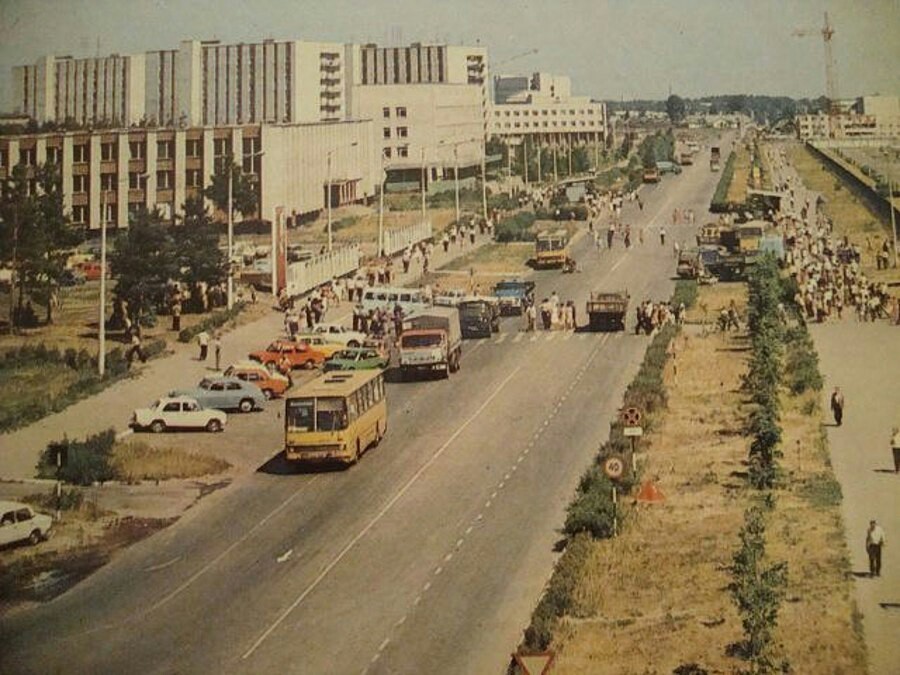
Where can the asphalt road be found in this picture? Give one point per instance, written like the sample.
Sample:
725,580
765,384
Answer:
426,557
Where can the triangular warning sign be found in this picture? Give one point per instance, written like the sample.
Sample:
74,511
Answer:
534,664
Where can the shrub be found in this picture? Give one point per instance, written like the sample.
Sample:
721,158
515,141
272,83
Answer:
686,291
557,598
515,228
592,510
802,362
214,320
70,499
83,462
719,204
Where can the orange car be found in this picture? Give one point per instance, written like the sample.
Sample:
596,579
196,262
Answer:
298,354
271,382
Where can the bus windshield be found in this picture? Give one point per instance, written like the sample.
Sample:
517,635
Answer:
316,414
549,244
300,414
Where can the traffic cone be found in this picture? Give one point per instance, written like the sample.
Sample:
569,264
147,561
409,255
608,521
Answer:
650,494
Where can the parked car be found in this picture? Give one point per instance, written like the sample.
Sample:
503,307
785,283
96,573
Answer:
320,342
271,382
71,277
177,412
357,358
298,354
335,332
225,393
19,522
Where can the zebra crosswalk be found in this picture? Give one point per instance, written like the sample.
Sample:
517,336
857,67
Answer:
537,336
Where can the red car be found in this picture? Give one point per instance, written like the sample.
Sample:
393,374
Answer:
298,354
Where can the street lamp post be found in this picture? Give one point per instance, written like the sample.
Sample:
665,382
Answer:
328,198
424,216
456,177
101,357
525,159
484,180
230,294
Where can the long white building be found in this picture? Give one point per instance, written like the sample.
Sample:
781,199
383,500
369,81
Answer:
124,169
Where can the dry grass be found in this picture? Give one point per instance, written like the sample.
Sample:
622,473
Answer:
656,597
715,298
135,461
737,189
851,217
495,259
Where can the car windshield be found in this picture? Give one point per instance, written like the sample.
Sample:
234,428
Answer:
344,354
473,310
416,341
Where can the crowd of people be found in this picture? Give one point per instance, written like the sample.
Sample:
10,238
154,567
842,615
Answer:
651,316
828,273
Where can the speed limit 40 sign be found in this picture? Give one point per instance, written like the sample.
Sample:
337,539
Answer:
631,417
614,467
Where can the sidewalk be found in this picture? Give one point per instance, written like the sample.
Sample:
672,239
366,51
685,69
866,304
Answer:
20,449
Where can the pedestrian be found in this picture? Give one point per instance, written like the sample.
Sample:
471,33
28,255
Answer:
253,294
176,315
203,341
136,349
217,346
445,242
874,544
662,236
895,448
837,406
531,316
609,236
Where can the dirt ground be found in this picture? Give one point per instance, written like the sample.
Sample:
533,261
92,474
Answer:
656,597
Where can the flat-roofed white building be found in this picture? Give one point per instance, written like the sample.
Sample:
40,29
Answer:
122,170
542,110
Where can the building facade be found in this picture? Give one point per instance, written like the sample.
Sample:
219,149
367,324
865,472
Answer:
542,109
110,174
866,117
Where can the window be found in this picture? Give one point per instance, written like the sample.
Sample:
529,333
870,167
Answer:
163,180
172,407
23,515
107,181
496,113
403,151
54,155
401,111
387,153
165,149
108,152
194,178
386,112
232,386
137,149
2,157
79,214
79,184
192,147
137,181
387,132
81,153
402,132
27,156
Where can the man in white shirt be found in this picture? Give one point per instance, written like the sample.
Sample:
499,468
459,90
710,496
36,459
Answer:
874,544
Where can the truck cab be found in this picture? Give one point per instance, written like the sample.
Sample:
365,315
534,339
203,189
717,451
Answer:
431,342
513,295
479,317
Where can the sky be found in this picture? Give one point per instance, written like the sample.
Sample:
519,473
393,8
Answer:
612,49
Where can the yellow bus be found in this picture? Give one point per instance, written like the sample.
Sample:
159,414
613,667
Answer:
335,418
551,249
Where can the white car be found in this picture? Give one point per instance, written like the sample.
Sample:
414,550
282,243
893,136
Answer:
177,412
338,333
19,522
449,297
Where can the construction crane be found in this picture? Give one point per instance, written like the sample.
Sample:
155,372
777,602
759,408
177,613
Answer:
831,88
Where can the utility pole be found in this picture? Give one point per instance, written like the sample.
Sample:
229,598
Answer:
525,158
484,180
230,301
101,357
424,180
456,177
540,158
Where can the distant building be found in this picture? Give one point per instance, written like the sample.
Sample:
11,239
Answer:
542,109
866,117
121,170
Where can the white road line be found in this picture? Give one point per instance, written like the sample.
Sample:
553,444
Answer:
533,338
384,644
459,542
162,566
500,338
417,600
469,530
123,434
494,494
203,570
487,504
518,337
448,557
582,336
387,507
567,336
438,571
400,622
549,336
426,586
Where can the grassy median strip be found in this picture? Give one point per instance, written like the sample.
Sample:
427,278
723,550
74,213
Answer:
658,594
